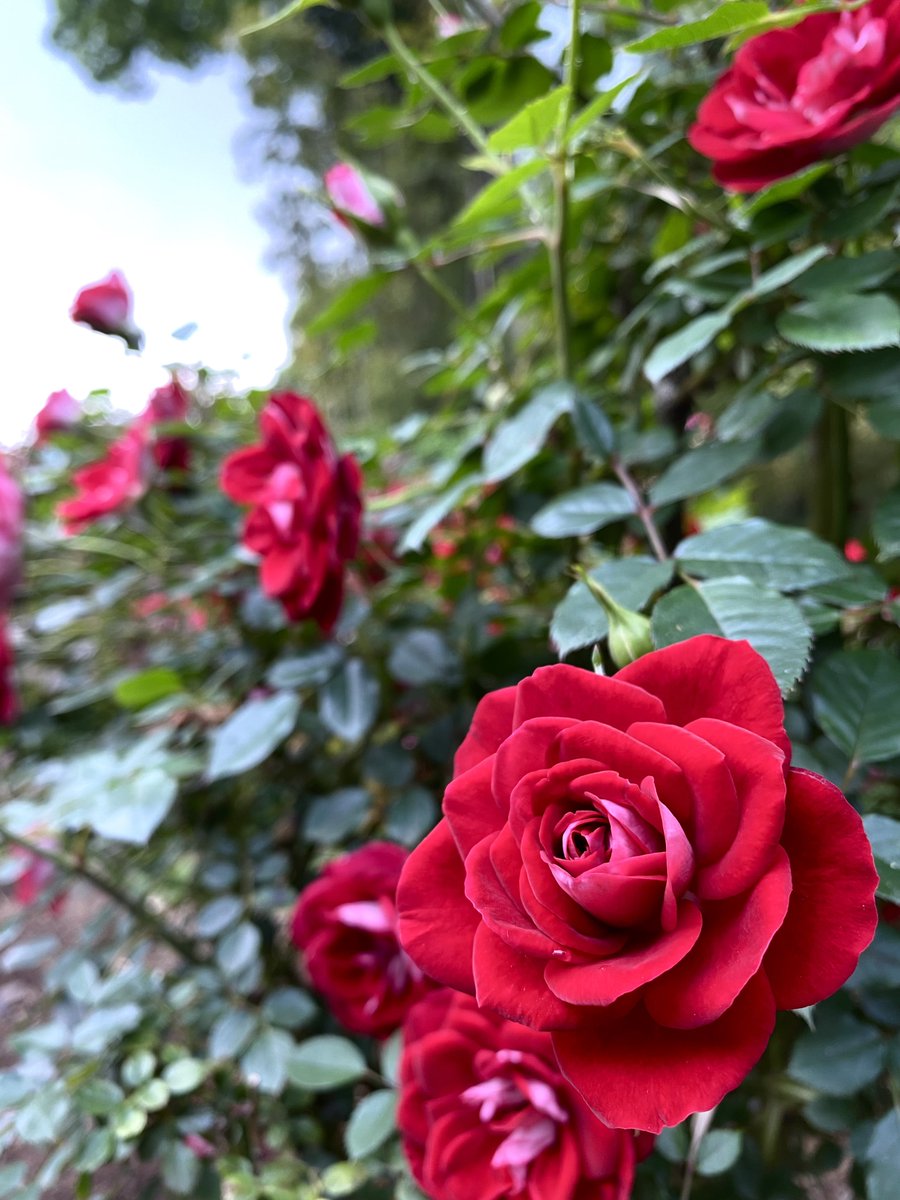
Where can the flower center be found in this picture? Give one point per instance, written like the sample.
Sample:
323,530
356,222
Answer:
517,1105
583,833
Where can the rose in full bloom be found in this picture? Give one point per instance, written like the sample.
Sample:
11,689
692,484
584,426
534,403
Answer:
795,96
345,925
110,484
485,1112
12,519
169,405
106,307
9,699
632,864
350,196
306,511
60,412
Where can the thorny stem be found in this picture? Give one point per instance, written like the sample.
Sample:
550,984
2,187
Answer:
161,929
643,509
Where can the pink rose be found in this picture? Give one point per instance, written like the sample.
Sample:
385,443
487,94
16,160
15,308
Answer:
61,411
350,196
111,484
106,307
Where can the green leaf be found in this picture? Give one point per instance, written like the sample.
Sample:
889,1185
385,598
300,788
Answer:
850,274
886,526
325,1062
719,1151
410,816
840,1058
703,469
583,511
99,1096
884,834
785,189
42,1118
494,197
580,621
855,695
290,1007
251,733
104,1026
348,302
777,556
738,609
420,657
348,704
782,274
842,322
306,670
184,1075
433,513
214,918
293,9
264,1065
732,17
180,1168
883,1158
230,1034
239,949
137,691
330,819
595,109
676,349
592,428
373,1121
533,126
518,439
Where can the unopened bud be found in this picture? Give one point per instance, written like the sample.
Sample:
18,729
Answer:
629,631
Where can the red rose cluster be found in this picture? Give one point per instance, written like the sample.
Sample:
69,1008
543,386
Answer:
632,865
795,96
307,508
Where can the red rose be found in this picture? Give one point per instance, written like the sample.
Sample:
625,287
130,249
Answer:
485,1113
349,194
106,307
631,863
111,484
795,96
345,923
12,518
61,411
168,406
307,508
9,700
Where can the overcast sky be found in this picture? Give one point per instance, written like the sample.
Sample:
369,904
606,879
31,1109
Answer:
90,181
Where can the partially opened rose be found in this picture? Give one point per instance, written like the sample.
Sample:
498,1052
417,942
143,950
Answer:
485,1113
111,484
350,195
106,307
306,511
795,96
12,519
345,925
632,864
168,405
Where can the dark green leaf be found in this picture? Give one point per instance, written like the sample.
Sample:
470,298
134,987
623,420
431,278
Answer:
676,349
518,439
703,469
348,704
372,1123
884,834
719,1151
778,556
840,1058
843,322
325,1062
583,510
251,733
855,696
579,620
420,657
886,526
329,819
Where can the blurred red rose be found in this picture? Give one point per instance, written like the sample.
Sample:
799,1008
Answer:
9,699
106,307
350,196
61,411
486,1113
307,508
12,519
169,405
345,924
795,96
855,551
631,863
112,483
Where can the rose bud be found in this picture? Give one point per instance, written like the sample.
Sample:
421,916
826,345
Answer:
106,307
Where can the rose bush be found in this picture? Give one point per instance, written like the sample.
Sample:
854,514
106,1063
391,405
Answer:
307,508
345,925
484,1111
795,96
633,864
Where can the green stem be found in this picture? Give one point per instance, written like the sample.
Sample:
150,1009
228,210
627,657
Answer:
445,99
831,497
557,244
641,507
69,866
629,14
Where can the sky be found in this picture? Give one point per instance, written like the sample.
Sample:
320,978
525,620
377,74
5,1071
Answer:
91,180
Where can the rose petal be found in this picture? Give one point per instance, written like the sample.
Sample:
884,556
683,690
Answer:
436,923
564,691
469,806
643,1076
499,910
832,917
513,985
492,721
736,934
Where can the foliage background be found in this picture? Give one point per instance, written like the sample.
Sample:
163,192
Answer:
573,350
